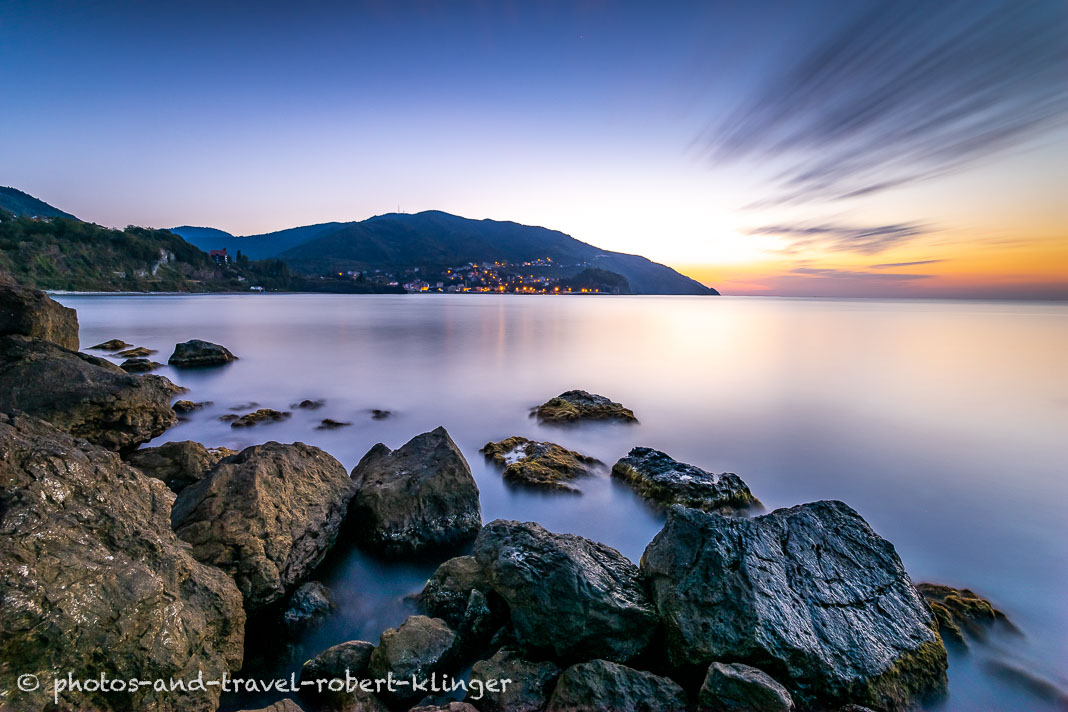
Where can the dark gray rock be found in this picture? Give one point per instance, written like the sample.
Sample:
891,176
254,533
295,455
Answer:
32,313
196,353
179,464
664,480
93,580
343,662
139,365
308,404
331,424
529,688
453,706
267,516
741,688
86,396
567,595
309,605
810,593
418,647
601,685
419,497
448,591
572,406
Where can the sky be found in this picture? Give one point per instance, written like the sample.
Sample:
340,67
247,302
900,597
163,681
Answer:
808,148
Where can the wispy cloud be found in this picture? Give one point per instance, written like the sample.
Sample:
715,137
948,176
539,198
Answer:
905,91
897,265
868,240
838,274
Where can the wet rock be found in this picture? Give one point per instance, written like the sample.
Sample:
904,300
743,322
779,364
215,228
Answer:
263,415
196,353
308,605
86,396
529,689
93,579
572,406
601,685
418,647
448,591
666,481
179,464
267,516
136,352
184,407
574,598
344,662
286,705
32,313
740,688
331,424
961,613
112,345
308,404
810,592
419,497
379,414
139,365
538,464
453,706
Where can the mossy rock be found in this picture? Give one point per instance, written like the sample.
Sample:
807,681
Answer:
263,415
962,613
572,406
539,464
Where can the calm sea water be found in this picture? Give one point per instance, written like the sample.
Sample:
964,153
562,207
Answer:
945,424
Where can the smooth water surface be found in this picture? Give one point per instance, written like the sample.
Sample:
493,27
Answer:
945,424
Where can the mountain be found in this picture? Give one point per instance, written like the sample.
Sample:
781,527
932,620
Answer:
437,239
22,204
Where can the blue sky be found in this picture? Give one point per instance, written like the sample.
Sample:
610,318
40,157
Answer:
610,121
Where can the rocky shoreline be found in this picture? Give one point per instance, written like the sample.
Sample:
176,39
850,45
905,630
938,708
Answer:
147,562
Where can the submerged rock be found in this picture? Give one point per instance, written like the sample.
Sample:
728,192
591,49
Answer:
601,685
179,464
92,579
308,605
263,415
86,396
418,497
664,480
136,352
572,406
961,612
810,592
267,516
331,424
196,353
575,598
538,464
139,365
418,647
529,689
740,688
112,345
32,313
308,404
184,407
379,414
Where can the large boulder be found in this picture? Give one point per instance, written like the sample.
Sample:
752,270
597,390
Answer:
574,598
419,497
196,353
86,396
93,580
601,685
573,406
664,480
32,313
539,464
741,688
810,594
411,652
530,683
179,464
267,516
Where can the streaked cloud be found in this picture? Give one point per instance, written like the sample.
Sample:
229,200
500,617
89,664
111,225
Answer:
902,92
868,240
838,274
897,265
